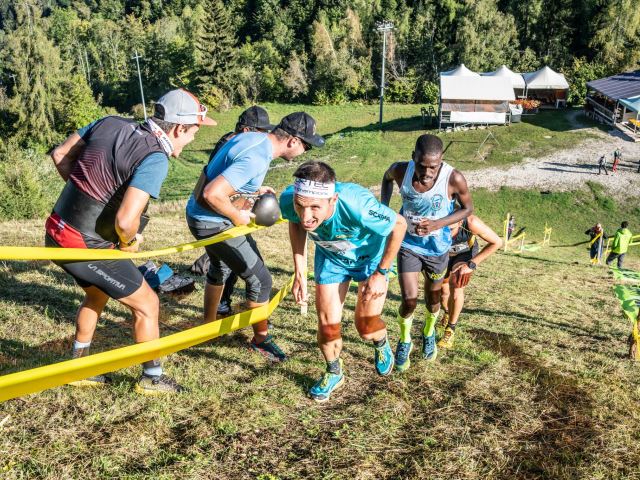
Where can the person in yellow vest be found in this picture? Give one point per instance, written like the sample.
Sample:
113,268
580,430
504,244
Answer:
620,244
464,257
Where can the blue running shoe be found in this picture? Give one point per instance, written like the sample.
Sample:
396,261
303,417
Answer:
403,351
384,359
429,347
269,349
326,385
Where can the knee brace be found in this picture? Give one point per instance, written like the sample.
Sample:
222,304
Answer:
368,325
328,333
258,283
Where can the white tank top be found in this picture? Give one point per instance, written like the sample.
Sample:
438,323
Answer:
433,204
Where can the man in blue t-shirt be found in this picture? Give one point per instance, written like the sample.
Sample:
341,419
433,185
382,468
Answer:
112,167
357,239
223,198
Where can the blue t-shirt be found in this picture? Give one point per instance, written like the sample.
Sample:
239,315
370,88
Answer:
243,161
150,173
355,235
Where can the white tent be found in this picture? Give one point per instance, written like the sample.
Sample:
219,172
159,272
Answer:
545,79
515,78
476,88
460,71
469,99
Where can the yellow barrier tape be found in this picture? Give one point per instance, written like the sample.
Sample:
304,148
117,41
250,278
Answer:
80,254
38,379
595,239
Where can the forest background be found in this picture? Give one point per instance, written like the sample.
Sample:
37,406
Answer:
64,63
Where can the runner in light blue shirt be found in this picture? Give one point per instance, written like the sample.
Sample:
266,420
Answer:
356,238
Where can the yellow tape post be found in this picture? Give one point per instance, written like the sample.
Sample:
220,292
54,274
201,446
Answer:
38,379
80,254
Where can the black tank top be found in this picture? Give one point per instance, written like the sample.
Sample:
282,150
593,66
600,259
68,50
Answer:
464,241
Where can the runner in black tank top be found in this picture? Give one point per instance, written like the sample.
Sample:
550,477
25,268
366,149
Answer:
464,257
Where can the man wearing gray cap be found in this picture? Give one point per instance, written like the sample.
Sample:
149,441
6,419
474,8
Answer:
253,119
112,167
222,199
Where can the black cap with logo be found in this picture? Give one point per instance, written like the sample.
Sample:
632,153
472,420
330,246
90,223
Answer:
255,117
303,126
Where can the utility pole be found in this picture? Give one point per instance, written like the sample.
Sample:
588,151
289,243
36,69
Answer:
137,59
384,27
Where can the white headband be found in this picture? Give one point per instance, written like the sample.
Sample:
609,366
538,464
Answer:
310,188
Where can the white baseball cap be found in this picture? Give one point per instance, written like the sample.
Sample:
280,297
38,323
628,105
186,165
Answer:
182,107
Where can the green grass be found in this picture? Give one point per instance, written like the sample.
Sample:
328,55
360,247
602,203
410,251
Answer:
537,386
360,152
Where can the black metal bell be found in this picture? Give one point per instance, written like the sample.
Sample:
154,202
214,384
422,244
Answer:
266,210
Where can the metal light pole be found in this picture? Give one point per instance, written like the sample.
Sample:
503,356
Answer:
144,107
384,27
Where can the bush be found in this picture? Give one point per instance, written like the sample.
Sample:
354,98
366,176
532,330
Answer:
75,106
23,175
430,93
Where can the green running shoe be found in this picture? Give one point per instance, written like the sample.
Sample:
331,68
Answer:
403,351
158,385
383,359
326,385
268,349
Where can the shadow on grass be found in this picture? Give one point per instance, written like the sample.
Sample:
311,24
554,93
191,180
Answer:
567,431
407,124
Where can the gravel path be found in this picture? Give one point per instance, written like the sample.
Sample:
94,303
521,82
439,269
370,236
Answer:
570,169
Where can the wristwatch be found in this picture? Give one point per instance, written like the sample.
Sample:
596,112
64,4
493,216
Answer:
131,242
383,271
472,265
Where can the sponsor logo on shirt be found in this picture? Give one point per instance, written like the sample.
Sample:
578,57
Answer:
436,202
379,215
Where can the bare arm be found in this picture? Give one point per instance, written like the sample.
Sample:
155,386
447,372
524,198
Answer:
494,242
217,193
386,188
458,188
65,154
128,216
298,238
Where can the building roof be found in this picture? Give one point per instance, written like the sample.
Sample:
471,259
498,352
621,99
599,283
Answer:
632,103
515,78
476,88
460,71
545,79
622,85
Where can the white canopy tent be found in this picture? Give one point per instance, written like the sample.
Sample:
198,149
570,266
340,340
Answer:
475,99
547,86
545,79
517,82
460,71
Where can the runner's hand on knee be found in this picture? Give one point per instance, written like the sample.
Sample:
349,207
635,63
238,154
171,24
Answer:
374,287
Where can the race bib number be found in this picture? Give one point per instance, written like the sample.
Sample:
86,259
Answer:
412,223
336,246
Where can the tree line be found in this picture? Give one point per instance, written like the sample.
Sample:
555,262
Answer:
63,62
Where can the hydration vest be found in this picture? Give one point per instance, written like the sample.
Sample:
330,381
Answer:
100,176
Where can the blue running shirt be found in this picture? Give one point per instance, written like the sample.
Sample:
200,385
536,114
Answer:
356,233
243,161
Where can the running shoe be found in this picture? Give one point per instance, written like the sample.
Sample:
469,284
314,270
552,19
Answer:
383,359
403,351
95,381
326,385
268,349
429,347
224,309
157,385
447,338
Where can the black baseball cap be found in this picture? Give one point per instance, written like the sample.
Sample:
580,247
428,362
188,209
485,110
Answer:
303,126
255,117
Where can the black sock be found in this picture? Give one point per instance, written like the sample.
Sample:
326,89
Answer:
452,326
381,342
334,366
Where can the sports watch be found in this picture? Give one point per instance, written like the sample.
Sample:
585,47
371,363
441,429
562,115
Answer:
383,271
472,265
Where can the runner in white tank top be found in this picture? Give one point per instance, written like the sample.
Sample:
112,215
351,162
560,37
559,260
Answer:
428,187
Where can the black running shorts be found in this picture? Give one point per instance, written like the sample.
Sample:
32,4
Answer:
433,267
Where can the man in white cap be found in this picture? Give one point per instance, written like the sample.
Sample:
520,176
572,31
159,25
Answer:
112,167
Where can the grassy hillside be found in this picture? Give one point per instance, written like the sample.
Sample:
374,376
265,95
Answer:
537,387
360,152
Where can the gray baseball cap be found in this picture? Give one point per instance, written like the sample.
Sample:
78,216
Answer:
182,107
